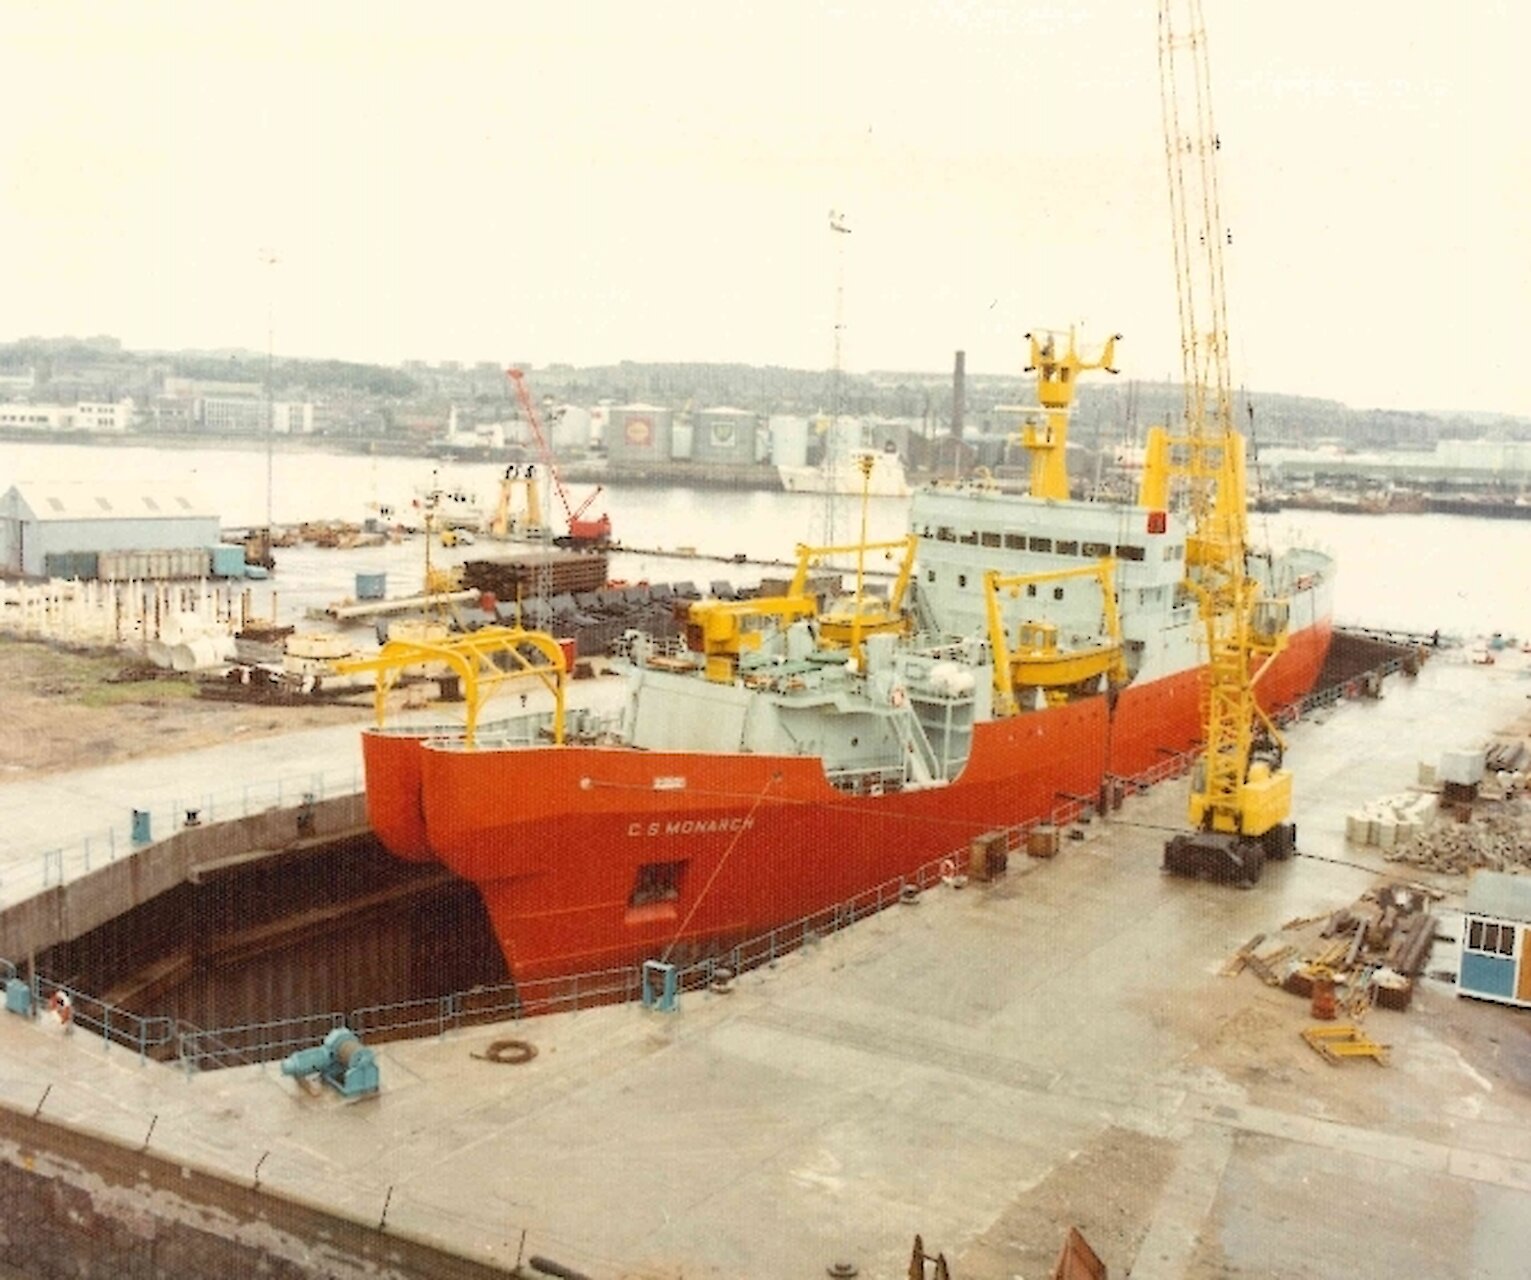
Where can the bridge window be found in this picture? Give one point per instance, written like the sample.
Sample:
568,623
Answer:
1126,552
1041,544
1173,552
1096,549
971,539
945,534
989,539
1070,548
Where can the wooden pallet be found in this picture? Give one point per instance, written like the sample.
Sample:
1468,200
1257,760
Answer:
1339,1041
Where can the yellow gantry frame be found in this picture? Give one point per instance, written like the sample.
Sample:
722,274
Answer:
471,658
1056,668
849,627
499,526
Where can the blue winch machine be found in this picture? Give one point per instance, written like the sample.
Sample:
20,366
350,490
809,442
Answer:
342,1061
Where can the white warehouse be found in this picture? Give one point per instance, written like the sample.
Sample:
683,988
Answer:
42,524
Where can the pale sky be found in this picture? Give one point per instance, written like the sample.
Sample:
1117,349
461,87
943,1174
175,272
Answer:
650,181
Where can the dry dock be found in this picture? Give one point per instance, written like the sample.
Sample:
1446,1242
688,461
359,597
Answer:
985,1068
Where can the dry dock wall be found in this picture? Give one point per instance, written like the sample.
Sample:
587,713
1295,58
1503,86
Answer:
76,1205
67,911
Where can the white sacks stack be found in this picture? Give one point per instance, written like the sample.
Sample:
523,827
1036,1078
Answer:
1392,820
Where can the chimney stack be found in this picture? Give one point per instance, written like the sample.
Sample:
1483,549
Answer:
959,391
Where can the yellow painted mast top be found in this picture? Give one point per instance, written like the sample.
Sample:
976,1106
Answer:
1056,376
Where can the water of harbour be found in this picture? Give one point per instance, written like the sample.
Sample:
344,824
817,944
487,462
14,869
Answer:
1462,575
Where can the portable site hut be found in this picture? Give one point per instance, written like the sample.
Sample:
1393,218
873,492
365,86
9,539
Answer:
1496,939
61,529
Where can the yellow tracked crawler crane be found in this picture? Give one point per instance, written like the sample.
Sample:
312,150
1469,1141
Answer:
1240,795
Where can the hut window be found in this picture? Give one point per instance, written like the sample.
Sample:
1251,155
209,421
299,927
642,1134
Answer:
1494,939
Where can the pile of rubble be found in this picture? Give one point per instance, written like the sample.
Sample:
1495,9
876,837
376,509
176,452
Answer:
1497,837
1469,810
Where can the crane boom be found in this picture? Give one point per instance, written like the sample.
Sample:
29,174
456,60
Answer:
1240,795
580,530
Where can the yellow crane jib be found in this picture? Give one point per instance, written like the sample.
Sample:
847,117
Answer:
1035,661
475,659
1056,378
715,629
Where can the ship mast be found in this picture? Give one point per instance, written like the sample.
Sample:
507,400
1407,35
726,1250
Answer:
839,230
1057,376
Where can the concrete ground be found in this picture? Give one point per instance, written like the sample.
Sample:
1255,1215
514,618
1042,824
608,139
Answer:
55,827
985,1068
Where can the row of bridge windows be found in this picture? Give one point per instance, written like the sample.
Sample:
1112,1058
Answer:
1047,546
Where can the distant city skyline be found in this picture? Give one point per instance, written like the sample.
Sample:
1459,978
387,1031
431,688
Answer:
588,184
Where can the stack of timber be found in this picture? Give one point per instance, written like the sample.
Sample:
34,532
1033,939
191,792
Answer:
551,571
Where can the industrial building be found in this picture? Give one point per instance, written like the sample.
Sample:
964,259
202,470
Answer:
63,529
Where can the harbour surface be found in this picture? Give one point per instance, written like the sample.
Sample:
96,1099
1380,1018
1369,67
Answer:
1409,572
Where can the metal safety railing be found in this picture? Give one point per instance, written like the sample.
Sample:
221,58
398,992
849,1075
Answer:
23,874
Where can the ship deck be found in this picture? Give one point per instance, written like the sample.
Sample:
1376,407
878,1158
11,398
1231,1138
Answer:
985,1068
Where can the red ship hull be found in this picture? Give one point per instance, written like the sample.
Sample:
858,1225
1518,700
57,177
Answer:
558,838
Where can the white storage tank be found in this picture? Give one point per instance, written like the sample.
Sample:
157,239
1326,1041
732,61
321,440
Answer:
842,436
570,428
789,440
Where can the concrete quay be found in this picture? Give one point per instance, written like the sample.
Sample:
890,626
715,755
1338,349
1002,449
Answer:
985,1068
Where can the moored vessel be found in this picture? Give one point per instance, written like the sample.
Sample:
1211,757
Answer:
794,751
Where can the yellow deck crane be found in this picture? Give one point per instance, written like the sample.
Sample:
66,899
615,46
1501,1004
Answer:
1241,797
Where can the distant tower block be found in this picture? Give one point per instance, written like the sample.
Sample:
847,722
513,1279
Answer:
959,393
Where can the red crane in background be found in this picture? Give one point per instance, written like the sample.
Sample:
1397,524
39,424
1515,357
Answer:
582,532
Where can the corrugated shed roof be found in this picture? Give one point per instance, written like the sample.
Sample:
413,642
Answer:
77,501
1499,896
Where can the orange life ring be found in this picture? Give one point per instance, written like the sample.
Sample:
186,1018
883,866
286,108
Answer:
897,696
60,1006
